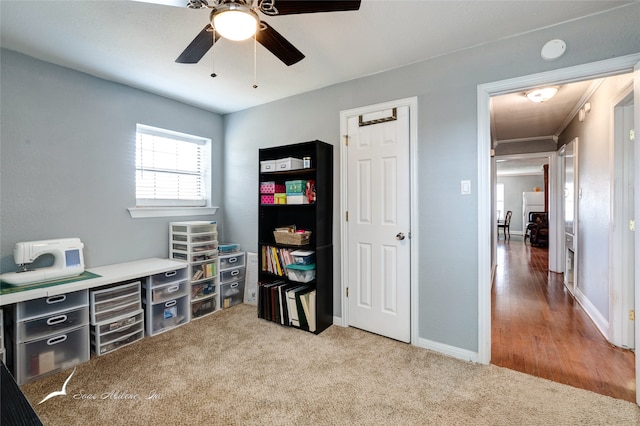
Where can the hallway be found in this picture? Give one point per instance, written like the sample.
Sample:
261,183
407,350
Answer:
537,328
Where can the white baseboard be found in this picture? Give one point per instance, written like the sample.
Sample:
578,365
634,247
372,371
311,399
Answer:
453,351
462,354
602,324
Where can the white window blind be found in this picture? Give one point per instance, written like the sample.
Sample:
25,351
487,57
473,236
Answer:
171,168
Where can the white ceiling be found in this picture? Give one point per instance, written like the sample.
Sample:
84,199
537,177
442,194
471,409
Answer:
136,43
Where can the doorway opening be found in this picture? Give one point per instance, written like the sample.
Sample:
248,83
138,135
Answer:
486,177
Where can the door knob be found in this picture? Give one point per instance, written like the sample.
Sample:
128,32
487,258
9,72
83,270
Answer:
400,236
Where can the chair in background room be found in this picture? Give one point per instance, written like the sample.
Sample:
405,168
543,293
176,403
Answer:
504,224
538,229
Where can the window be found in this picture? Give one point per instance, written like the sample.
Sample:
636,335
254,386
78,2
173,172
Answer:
500,201
172,169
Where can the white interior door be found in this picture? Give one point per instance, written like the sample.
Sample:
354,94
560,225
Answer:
378,222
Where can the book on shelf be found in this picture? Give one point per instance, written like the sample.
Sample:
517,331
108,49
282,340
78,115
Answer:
309,306
287,303
276,259
297,317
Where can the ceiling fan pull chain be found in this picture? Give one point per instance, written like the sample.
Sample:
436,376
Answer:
255,61
213,55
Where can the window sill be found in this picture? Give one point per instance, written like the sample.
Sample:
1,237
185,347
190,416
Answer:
145,212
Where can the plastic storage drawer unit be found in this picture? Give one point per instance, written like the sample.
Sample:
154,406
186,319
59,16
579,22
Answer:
115,302
120,332
167,315
51,354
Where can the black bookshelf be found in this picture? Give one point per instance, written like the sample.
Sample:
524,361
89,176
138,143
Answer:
316,217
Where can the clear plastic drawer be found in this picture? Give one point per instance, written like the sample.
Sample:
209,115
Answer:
52,354
203,271
195,247
107,303
168,291
203,307
53,324
127,340
196,238
50,305
232,275
233,261
194,227
232,293
162,317
116,312
167,277
203,289
194,257
120,322
98,296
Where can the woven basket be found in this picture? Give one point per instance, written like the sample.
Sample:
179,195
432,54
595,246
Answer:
292,238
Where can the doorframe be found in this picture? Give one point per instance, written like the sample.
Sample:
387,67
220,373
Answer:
484,92
552,191
412,103
618,293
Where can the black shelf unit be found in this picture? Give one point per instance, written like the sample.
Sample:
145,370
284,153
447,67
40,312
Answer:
316,217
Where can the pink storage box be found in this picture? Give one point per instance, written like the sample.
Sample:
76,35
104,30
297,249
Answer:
266,199
271,188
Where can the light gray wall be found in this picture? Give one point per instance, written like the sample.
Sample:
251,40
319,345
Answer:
594,179
67,160
67,156
447,153
514,186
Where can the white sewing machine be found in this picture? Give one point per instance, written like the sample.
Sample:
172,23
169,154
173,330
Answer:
68,261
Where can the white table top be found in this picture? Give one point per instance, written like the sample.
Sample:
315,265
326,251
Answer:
109,274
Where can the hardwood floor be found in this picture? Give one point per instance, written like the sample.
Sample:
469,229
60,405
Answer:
539,329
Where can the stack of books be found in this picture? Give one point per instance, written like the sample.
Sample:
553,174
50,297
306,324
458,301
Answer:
291,304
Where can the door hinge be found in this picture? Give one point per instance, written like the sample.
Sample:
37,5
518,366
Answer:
632,135
632,315
632,225
346,216
346,140
347,291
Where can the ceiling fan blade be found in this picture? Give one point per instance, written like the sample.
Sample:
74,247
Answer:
290,7
198,47
274,42
176,3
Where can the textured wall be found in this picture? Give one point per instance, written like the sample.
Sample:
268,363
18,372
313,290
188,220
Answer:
67,160
446,88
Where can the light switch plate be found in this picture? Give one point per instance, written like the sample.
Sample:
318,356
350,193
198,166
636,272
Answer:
465,187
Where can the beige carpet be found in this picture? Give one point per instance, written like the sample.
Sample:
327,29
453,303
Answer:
233,368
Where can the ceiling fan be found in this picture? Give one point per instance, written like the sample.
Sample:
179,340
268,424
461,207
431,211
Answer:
247,11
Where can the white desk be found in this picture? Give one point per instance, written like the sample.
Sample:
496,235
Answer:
109,274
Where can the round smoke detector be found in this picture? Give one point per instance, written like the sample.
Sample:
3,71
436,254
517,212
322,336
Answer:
553,50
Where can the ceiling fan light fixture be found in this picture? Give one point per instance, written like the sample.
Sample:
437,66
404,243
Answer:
542,94
235,21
